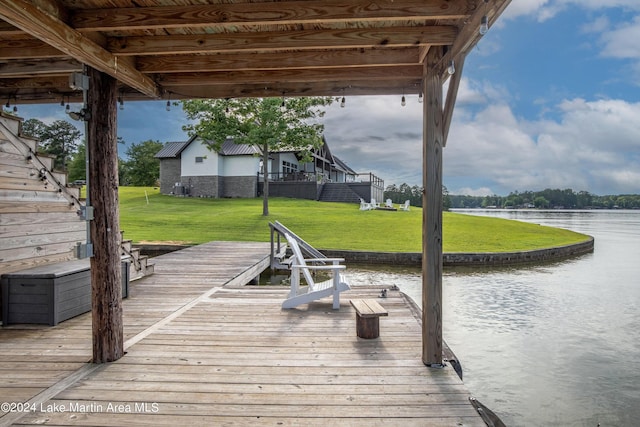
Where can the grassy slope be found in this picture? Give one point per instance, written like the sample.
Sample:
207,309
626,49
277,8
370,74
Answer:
324,225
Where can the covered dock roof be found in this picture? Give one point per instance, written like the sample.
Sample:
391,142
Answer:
222,49
174,49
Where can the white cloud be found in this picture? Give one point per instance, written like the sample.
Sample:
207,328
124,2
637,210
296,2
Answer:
468,191
524,8
378,135
543,10
593,146
598,25
622,42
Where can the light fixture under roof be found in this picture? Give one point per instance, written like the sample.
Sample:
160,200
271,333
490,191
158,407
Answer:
484,25
451,69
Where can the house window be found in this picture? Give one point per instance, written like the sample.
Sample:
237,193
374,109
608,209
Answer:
199,159
288,168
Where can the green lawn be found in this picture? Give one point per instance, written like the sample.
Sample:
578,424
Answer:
323,225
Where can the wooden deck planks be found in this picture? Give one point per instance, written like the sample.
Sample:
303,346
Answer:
200,354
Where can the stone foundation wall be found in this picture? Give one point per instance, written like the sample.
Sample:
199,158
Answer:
239,186
169,175
466,259
201,186
449,259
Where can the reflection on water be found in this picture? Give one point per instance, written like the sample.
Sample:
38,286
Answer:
549,345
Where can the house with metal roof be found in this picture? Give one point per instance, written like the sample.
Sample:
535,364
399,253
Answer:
191,168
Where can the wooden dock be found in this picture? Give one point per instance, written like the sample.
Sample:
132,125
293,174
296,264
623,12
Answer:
202,349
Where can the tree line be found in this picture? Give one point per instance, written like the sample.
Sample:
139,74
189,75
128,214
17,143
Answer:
404,192
61,139
545,199
548,199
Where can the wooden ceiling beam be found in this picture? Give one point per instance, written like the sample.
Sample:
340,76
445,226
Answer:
39,83
279,60
337,88
282,40
25,15
7,29
309,75
27,49
285,12
16,69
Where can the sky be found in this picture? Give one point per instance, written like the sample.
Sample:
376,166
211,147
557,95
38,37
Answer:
549,98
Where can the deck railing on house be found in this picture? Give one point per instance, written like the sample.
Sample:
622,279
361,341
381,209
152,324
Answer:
292,176
369,177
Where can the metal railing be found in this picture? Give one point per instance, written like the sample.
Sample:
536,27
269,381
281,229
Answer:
321,178
369,177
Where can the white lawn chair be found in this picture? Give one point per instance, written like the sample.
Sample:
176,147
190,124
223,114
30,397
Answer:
388,204
313,291
364,206
405,206
374,204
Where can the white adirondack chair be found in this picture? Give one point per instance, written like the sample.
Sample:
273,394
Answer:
314,291
374,204
388,204
405,206
364,206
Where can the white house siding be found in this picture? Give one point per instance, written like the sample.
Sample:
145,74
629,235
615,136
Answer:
199,179
239,176
241,166
208,166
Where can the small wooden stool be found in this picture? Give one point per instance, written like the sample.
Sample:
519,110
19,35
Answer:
368,313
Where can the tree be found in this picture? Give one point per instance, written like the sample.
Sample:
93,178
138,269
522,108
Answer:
446,200
541,202
60,139
33,128
78,164
142,167
267,123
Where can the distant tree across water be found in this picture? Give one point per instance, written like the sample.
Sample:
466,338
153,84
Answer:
548,199
545,199
404,192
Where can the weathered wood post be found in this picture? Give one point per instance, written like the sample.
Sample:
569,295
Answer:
433,137
106,276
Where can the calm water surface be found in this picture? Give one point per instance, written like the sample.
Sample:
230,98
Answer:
548,345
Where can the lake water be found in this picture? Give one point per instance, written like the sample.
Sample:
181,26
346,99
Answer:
547,345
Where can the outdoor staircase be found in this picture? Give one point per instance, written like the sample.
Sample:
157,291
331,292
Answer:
37,171
140,265
31,194
338,192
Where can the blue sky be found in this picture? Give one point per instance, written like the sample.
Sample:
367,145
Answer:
550,98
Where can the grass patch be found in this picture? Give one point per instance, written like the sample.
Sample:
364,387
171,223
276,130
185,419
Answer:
324,225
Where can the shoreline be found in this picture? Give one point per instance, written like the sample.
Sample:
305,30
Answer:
451,259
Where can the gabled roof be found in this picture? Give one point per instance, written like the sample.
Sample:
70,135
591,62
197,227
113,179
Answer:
172,150
229,148
339,164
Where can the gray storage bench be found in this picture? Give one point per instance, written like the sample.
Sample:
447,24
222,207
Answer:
51,293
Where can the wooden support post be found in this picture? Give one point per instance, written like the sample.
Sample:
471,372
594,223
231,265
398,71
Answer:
106,294
433,139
